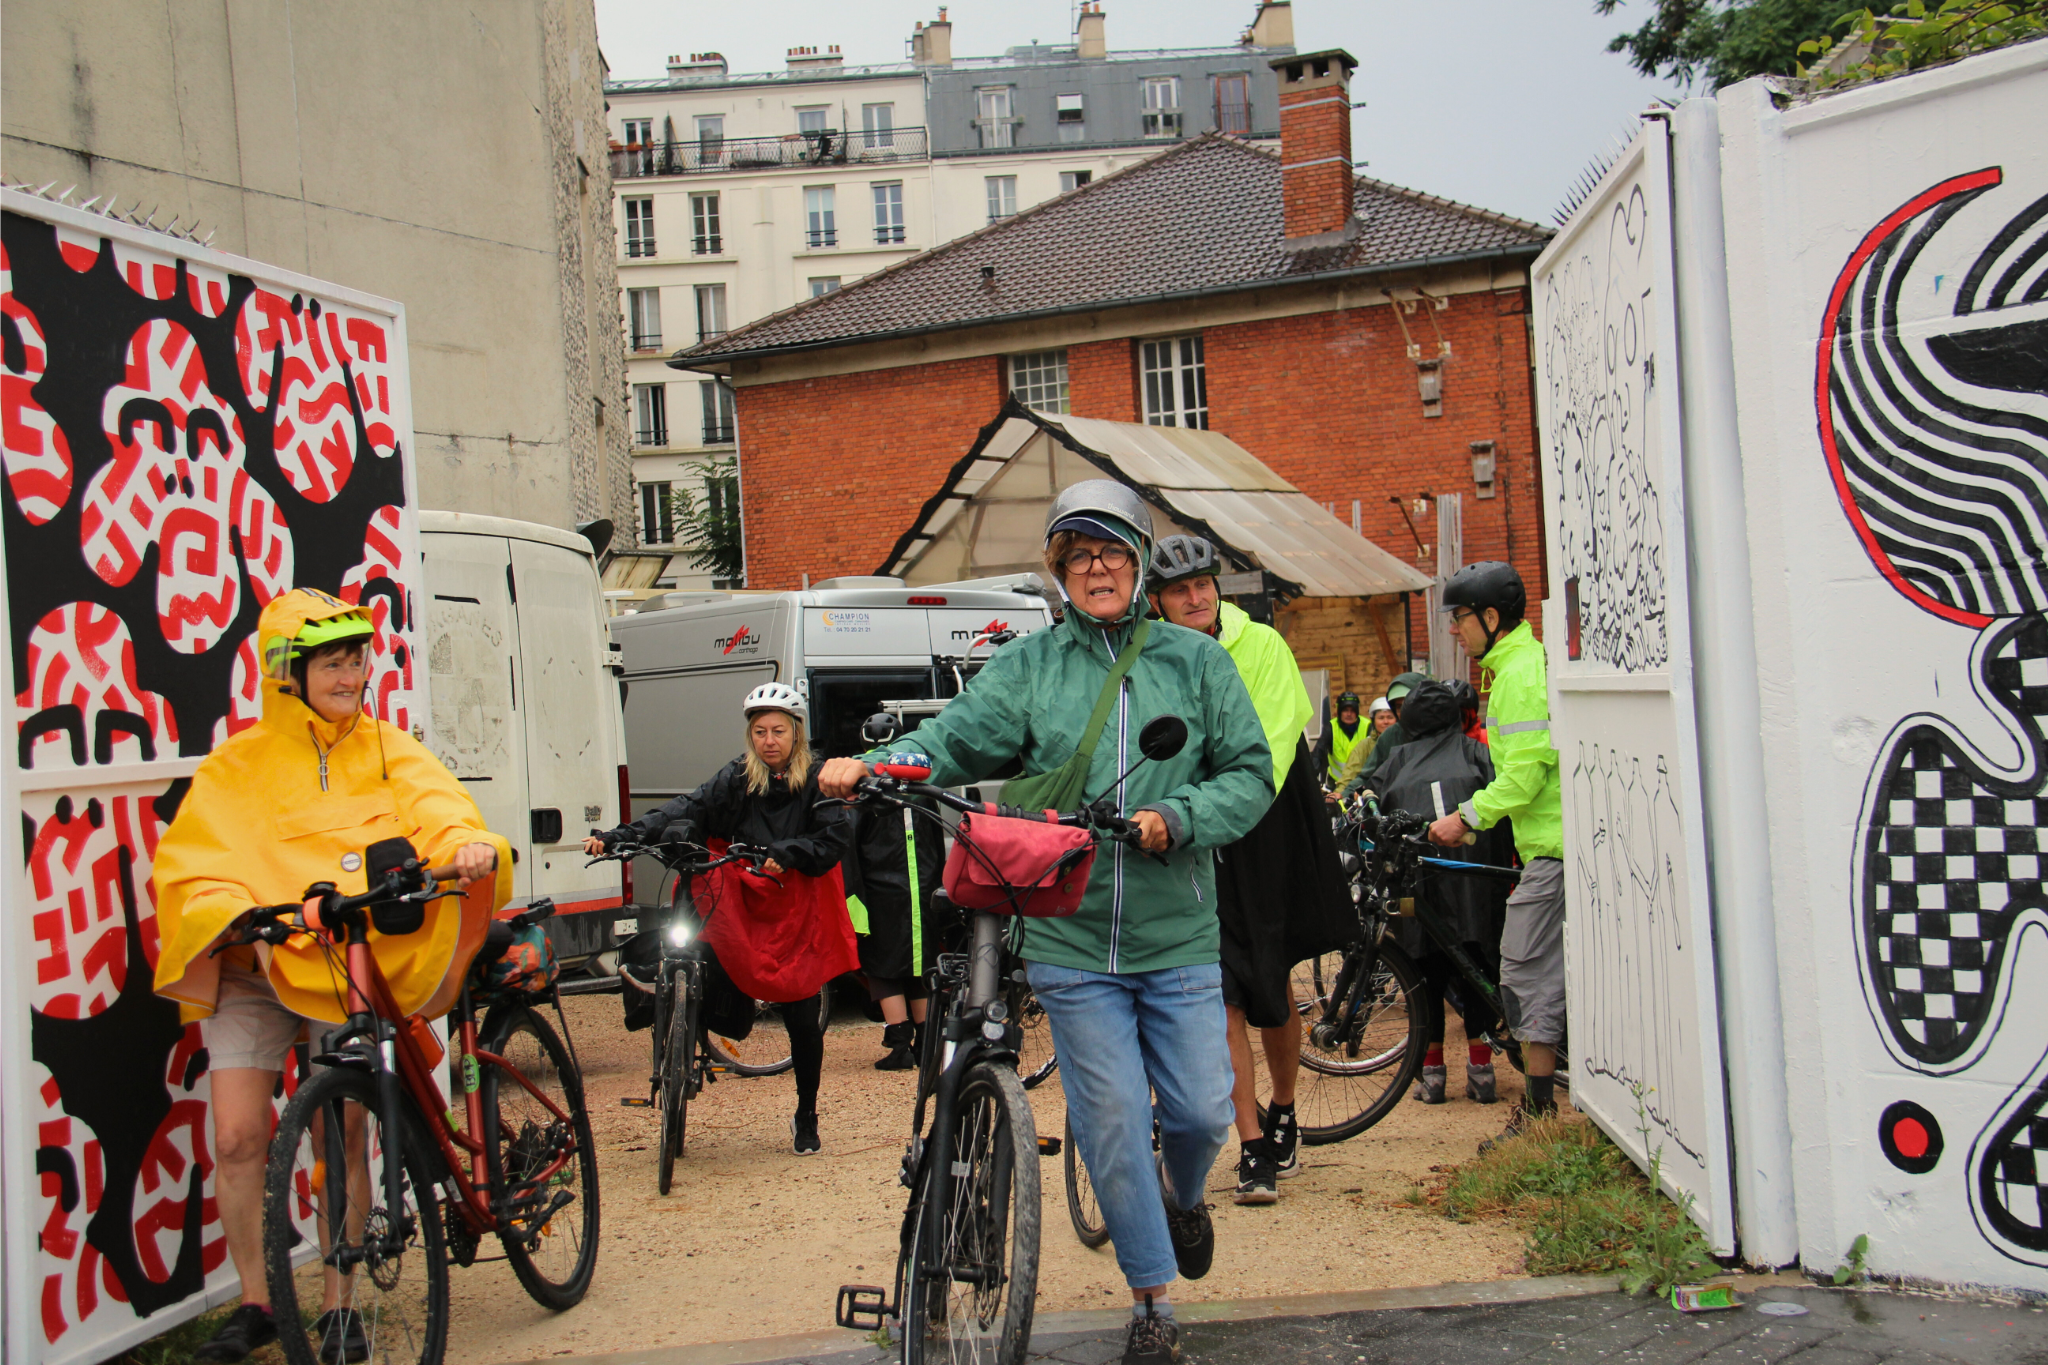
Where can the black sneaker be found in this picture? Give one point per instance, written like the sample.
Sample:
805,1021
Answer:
897,1038
340,1337
1256,1175
1193,1237
803,1134
1153,1339
247,1328
1283,1140
1519,1119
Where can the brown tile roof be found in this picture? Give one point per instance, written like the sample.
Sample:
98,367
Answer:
1204,217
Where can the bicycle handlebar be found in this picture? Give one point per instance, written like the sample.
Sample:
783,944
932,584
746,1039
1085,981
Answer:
668,855
895,786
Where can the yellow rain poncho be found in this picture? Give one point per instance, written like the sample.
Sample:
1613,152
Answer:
257,828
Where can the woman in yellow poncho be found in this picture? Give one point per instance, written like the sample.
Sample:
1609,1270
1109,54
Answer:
293,800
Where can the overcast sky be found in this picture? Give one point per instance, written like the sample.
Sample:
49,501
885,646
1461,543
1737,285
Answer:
1497,103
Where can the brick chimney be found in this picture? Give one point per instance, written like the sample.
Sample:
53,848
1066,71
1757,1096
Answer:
1315,144
810,59
1090,34
702,66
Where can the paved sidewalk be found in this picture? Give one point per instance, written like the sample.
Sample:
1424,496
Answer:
1590,1324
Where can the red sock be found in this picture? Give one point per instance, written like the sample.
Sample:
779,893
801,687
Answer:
1435,1055
1481,1054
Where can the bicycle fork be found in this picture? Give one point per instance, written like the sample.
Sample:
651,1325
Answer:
390,1099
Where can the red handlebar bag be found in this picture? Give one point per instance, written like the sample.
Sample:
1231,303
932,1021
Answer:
1009,866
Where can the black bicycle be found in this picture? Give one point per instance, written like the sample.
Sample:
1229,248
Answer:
685,1061
967,1263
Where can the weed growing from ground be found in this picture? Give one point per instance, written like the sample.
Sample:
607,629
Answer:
175,1347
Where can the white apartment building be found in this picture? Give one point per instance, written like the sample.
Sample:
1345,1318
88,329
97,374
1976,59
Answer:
739,196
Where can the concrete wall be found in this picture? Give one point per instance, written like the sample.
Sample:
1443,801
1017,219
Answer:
432,153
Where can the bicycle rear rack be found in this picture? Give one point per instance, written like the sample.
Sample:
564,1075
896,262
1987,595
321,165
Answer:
863,1307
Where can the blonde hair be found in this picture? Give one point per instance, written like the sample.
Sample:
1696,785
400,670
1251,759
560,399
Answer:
1056,550
799,756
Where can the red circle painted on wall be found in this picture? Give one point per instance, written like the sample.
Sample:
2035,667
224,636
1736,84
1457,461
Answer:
1910,1137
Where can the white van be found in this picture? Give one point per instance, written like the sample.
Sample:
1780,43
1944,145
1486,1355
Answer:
523,704
848,644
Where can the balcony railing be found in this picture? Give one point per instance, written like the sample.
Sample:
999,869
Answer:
828,148
718,433
640,246
646,341
651,436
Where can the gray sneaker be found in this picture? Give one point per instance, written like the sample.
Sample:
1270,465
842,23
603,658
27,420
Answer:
1153,1340
1430,1089
1479,1083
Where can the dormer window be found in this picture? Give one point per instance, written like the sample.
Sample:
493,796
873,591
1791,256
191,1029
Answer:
1071,118
1162,106
993,118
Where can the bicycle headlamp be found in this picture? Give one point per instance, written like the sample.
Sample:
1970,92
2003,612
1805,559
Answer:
679,934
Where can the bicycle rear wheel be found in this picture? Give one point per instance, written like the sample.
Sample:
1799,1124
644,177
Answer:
678,1054
1082,1209
1348,1084
764,1051
973,1303
1036,1059
323,1192
551,1240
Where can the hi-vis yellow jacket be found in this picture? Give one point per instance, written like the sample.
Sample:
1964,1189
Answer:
259,825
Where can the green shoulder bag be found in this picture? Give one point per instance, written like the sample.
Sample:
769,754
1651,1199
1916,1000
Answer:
1064,787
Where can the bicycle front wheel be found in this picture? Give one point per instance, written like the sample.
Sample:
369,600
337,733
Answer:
541,1157
969,1299
331,1236
765,1050
1036,1059
1083,1210
678,1053
1349,1083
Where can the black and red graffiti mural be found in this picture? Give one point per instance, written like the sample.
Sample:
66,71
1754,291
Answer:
1935,431
182,443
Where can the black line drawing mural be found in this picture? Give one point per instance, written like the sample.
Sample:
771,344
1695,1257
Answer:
1934,422
178,445
1602,368
1628,907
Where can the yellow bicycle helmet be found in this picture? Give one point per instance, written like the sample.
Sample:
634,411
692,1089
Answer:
304,620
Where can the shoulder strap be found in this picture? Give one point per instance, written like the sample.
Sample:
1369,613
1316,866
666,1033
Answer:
1100,715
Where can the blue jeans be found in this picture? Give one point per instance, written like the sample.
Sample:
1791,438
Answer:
1123,1040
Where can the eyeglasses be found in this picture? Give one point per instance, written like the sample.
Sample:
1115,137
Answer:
1112,557
1458,614
340,666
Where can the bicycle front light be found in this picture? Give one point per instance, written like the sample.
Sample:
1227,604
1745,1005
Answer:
679,935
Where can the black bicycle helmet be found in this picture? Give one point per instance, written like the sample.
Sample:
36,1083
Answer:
1178,557
1467,695
1347,701
1491,583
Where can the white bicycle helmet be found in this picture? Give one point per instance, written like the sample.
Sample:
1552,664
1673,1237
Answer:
776,696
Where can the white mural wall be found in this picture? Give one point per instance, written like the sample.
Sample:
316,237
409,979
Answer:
1888,283
1645,1045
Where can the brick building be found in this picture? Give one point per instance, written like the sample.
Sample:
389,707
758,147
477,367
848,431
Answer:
1369,343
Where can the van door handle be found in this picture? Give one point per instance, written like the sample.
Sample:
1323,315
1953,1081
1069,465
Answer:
546,825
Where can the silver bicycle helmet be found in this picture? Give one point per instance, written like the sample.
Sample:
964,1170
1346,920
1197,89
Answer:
775,696
1181,557
1102,508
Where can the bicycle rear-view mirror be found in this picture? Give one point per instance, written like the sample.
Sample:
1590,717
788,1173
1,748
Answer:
1162,738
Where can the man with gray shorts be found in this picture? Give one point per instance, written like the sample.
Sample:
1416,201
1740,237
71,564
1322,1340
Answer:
1487,602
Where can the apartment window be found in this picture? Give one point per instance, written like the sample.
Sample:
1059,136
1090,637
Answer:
1002,196
639,132
1234,104
1074,180
710,311
639,227
878,125
888,212
705,238
824,284
819,228
643,317
719,422
657,518
710,139
1039,380
993,108
1070,118
812,120
1176,382
1162,106
650,414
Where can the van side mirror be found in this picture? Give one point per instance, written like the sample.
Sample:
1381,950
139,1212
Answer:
880,728
1163,737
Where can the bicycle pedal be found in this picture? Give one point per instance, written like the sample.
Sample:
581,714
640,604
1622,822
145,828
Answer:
862,1307
632,1103
1049,1146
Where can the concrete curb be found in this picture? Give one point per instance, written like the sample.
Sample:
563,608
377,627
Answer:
759,1350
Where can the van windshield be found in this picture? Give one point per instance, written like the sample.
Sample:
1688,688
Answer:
841,702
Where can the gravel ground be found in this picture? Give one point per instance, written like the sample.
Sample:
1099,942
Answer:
755,1241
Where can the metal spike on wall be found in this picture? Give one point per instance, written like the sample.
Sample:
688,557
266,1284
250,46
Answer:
1595,170
110,209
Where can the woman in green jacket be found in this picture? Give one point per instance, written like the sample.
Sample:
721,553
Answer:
1130,982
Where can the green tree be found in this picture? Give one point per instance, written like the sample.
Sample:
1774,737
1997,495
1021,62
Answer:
1724,41
707,528
1918,34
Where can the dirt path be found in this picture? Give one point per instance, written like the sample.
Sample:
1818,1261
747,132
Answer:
755,1241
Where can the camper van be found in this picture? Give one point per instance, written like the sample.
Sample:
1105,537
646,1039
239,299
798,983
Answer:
523,704
850,645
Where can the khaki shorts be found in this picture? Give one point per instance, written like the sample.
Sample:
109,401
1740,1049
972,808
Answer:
1532,954
250,1027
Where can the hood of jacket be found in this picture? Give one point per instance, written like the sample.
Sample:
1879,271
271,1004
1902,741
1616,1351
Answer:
1431,708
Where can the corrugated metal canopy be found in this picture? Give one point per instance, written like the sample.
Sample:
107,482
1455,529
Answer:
989,516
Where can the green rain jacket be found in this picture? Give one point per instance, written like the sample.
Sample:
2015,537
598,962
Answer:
1030,703
1525,787
1274,680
